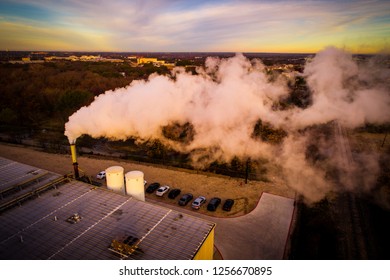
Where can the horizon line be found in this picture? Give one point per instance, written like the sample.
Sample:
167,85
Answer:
216,52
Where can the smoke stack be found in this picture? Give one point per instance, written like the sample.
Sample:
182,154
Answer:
74,160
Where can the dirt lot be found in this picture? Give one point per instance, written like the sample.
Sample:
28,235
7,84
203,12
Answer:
246,196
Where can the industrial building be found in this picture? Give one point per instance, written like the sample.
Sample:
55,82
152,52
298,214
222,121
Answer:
154,61
144,60
44,215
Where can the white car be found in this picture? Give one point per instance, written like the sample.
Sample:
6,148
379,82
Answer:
198,202
162,190
101,175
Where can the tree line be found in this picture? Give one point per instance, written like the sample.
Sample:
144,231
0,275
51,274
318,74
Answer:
46,94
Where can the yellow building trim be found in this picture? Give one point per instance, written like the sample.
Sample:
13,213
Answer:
206,251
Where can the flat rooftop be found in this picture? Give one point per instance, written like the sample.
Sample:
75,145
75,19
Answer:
76,221
18,175
20,181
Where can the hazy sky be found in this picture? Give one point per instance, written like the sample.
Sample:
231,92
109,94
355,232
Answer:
194,25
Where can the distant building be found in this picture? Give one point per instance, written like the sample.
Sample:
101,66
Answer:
113,60
155,61
90,58
145,60
70,58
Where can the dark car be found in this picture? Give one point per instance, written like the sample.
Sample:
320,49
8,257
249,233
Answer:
227,206
185,199
173,193
213,204
152,187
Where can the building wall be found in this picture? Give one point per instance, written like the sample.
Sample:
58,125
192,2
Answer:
143,60
206,251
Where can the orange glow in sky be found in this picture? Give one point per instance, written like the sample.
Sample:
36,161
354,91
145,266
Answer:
233,26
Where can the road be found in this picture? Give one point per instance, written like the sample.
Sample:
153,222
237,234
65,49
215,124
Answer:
351,211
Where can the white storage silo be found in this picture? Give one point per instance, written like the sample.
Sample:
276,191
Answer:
135,184
115,179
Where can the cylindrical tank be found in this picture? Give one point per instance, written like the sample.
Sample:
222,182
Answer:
135,184
115,179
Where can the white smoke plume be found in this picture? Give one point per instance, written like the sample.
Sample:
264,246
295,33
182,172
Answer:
223,104
227,97
345,91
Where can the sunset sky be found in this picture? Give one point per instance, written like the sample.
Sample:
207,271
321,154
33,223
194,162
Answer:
195,25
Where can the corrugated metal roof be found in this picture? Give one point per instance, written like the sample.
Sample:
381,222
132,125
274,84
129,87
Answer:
18,175
39,228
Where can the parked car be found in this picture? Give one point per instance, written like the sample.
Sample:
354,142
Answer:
174,193
152,187
213,204
101,175
185,199
198,202
162,190
227,206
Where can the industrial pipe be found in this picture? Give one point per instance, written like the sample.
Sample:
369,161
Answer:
74,160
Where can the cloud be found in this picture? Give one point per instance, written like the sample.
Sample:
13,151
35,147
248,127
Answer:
218,25
27,36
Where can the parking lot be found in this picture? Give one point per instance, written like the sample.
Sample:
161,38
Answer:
163,193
